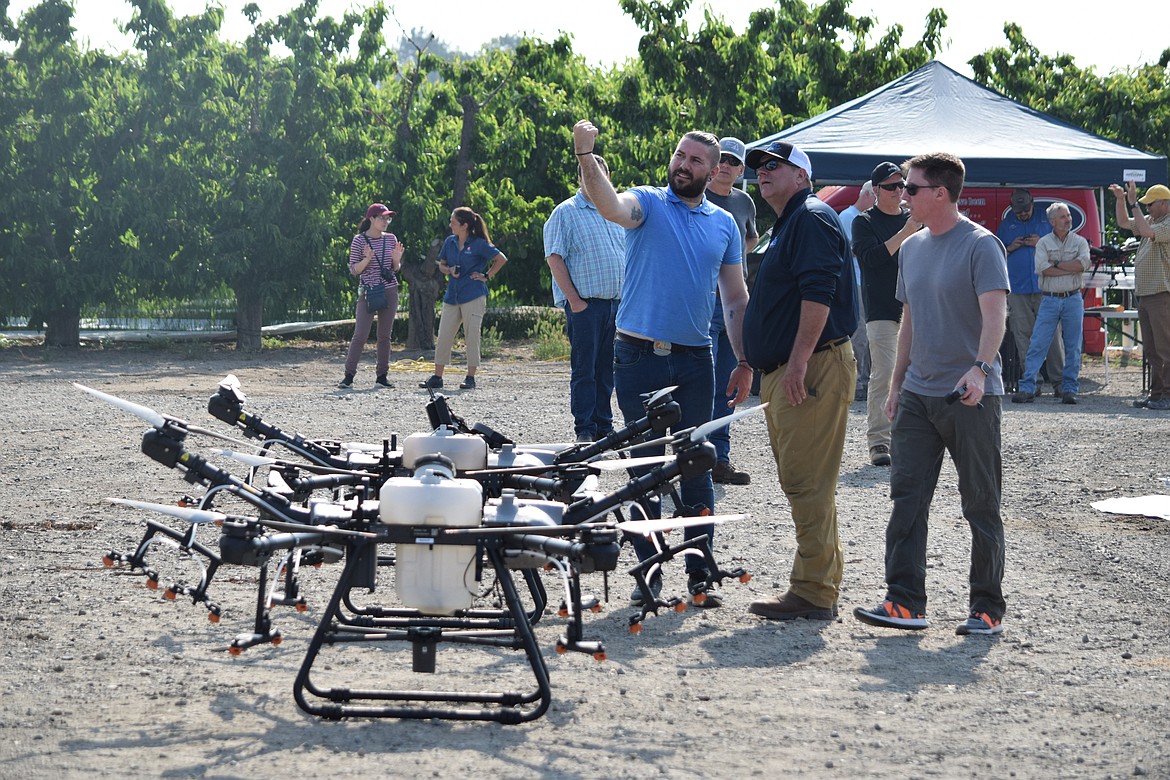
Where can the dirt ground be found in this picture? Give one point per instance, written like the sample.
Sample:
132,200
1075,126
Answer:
101,677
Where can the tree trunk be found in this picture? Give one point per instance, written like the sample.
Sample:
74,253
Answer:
423,284
249,319
466,140
63,327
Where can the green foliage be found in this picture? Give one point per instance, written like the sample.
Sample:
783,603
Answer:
490,342
552,343
195,169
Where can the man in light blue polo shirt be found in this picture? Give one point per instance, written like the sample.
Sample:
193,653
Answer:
586,254
679,247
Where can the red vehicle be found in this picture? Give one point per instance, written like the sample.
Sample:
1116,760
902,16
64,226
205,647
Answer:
988,206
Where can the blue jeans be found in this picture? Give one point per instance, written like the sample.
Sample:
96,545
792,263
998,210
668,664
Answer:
591,334
637,371
1069,313
724,359
924,428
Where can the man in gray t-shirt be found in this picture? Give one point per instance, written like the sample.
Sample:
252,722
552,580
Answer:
946,392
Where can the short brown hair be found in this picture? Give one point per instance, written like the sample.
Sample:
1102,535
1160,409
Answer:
941,170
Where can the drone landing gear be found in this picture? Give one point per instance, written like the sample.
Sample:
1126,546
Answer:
698,545
510,629
186,544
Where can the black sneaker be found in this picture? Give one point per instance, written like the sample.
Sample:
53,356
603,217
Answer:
584,438
468,383
1068,398
1022,397
347,382
655,589
703,593
381,381
434,383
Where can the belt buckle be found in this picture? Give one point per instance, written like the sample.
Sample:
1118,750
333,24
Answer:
661,348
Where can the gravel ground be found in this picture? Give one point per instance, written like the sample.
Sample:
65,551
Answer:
102,677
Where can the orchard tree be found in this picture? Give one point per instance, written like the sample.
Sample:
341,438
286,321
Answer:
61,247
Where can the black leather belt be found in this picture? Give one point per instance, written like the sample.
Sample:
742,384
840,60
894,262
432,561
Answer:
1068,294
831,343
820,348
649,345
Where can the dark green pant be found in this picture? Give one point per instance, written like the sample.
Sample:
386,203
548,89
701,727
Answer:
924,428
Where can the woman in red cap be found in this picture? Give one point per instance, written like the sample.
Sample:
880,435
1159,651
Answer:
374,257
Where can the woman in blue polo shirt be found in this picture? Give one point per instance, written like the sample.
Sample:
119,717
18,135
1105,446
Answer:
469,260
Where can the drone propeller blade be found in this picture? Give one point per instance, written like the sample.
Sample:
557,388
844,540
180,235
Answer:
653,398
587,488
150,415
217,435
183,513
553,447
620,464
357,446
329,530
647,527
248,460
706,429
230,382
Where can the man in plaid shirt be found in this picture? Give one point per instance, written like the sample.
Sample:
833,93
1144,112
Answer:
586,254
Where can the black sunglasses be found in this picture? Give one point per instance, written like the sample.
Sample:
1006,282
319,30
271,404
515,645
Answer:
771,165
912,189
727,159
898,185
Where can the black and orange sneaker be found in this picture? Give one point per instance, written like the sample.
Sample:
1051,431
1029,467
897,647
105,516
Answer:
980,623
891,615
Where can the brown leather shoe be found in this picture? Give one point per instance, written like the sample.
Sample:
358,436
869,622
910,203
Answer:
726,474
789,607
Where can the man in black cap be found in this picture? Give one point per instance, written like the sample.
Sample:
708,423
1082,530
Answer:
878,234
796,331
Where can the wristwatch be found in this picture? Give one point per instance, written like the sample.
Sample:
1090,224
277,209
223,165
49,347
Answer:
986,369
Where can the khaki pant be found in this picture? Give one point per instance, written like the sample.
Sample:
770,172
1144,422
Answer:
470,315
1022,311
883,351
808,441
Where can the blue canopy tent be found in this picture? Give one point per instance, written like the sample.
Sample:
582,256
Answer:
1001,142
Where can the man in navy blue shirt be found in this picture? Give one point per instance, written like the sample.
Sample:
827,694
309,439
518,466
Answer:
796,331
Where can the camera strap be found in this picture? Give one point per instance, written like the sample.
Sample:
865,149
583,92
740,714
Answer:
381,265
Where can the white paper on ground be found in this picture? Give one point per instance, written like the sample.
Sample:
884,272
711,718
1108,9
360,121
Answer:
1146,506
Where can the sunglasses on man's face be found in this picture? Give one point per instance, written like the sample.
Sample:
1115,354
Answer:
912,189
898,185
727,159
771,165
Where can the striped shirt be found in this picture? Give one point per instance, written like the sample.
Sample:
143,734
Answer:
383,250
593,248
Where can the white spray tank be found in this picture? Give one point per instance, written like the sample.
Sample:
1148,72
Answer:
435,579
467,452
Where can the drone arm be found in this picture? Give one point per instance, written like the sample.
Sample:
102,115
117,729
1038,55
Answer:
227,407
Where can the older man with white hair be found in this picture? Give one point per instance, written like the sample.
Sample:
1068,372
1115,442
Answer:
1062,257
